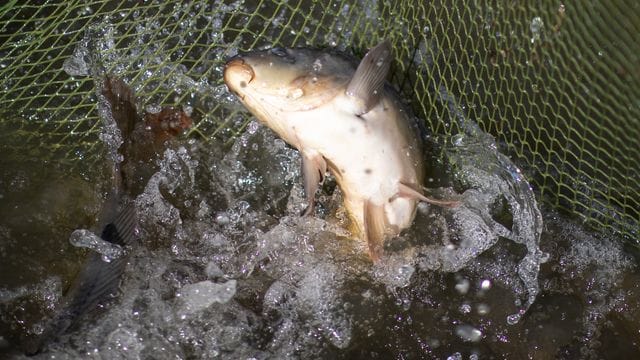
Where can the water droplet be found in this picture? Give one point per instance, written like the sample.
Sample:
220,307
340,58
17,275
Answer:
458,140
468,333
514,318
223,219
465,308
463,286
485,285
483,309
87,239
317,65
536,27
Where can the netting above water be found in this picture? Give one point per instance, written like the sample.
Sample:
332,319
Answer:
558,86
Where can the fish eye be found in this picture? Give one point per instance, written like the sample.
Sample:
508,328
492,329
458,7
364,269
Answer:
278,51
284,54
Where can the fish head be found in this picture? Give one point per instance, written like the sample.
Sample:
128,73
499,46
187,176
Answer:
277,80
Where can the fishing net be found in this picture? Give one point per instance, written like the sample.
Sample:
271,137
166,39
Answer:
557,85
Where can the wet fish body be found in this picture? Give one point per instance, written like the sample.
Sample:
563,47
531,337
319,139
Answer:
144,138
97,281
345,119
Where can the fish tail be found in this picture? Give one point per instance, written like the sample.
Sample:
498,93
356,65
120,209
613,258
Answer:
95,283
122,231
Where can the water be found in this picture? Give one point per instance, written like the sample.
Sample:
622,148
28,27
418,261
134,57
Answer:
87,239
228,269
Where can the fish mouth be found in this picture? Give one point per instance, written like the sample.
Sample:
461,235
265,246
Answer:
237,74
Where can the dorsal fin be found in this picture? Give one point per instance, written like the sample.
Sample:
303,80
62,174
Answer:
367,83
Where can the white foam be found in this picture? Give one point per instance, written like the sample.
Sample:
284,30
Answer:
199,296
86,239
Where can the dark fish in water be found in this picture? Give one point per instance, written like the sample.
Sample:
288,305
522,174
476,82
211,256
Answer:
122,104
143,139
98,281
342,118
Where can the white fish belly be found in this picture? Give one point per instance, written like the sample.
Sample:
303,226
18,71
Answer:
371,153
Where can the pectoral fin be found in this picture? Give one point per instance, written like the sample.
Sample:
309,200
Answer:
368,81
407,191
313,169
374,228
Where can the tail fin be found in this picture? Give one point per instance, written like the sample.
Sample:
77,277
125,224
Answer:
97,280
122,231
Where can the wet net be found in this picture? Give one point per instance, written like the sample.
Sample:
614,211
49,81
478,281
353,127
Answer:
557,86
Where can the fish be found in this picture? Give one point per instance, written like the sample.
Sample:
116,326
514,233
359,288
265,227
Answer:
97,282
144,138
345,118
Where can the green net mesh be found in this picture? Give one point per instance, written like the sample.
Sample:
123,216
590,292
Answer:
557,86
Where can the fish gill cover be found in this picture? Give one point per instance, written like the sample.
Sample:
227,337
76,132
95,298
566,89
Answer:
555,86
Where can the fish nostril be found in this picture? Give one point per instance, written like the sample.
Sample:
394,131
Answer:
239,69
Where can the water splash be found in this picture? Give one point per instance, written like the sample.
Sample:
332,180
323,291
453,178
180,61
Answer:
199,296
496,189
493,180
78,63
537,28
86,239
302,289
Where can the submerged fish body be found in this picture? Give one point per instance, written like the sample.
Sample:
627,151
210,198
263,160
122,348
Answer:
345,119
96,282
144,138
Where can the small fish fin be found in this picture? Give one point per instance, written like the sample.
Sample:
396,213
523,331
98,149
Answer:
368,81
122,230
374,228
313,169
405,190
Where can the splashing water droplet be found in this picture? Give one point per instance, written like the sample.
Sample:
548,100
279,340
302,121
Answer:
463,286
87,239
317,65
536,28
485,285
515,318
468,333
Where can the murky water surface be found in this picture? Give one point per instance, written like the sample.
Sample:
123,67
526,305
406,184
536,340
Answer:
227,268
